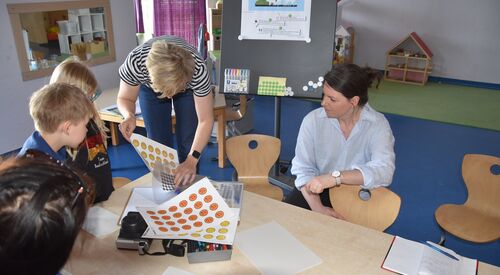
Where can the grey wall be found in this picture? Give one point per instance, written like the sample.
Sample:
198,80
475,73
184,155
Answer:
463,35
16,124
299,62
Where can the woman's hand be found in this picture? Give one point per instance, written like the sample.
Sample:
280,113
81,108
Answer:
328,211
186,171
127,127
318,184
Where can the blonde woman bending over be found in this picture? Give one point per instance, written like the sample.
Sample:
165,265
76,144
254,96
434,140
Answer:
164,71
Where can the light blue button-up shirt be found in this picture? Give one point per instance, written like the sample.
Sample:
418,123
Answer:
322,148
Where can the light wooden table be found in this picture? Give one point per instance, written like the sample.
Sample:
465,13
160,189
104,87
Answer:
108,98
345,248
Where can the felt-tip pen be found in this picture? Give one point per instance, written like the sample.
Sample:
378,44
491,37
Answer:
438,249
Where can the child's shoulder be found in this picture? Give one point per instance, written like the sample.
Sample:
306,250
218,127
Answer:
36,142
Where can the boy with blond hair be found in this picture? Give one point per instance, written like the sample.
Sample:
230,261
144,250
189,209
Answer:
91,156
60,112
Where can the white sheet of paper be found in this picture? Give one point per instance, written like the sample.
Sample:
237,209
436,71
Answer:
176,271
411,257
273,250
100,222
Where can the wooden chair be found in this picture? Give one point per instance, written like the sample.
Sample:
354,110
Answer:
252,163
378,212
119,182
478,219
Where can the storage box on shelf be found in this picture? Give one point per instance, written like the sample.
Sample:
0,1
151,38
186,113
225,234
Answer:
81,26
410,61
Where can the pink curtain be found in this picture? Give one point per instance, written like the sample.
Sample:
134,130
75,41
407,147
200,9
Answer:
139,25
181,18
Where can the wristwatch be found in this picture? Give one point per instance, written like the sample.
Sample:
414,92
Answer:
196,154
336,175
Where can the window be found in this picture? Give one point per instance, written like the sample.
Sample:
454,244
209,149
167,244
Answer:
47,33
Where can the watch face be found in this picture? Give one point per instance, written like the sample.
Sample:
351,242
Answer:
196,154
336,174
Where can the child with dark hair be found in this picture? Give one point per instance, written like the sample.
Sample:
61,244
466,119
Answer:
42,208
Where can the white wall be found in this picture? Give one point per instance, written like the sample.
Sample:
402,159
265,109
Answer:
464,35
16,124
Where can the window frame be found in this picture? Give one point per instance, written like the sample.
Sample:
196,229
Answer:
15,10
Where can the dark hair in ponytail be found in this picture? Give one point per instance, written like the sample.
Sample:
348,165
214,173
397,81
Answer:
352,80
41,214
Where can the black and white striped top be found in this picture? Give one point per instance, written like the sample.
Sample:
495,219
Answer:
134,72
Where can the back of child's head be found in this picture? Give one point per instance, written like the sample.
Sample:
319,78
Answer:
42,208
76,73
56,103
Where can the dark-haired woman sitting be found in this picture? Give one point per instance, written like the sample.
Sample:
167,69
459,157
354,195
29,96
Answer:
343,142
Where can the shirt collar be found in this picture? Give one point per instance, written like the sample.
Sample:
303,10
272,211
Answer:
367,113
44,146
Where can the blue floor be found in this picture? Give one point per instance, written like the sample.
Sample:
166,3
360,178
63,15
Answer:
428,167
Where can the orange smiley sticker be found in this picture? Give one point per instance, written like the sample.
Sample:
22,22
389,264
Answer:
202,191
208,198
203,212
192,197
198,224
219,214
177,215
214,206
198,204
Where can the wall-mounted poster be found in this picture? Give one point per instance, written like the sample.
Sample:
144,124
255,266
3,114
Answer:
275,20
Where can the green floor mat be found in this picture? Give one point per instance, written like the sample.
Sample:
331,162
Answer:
460,105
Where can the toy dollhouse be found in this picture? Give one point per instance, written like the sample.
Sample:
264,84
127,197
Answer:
344,45
410,61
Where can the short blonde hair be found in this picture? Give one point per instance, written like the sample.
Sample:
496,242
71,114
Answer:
56,103
76,73
170,67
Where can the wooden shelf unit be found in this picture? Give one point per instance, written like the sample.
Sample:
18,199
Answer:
410,61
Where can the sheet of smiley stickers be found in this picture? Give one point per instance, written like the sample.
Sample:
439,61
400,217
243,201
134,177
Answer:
198,213
153,152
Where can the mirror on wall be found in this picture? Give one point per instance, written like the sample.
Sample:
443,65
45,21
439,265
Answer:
47,33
